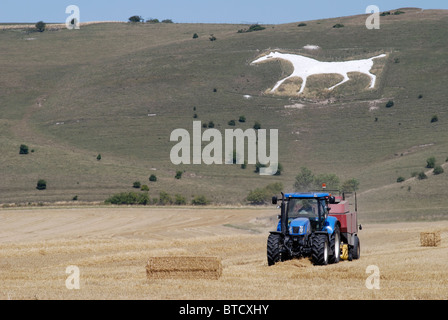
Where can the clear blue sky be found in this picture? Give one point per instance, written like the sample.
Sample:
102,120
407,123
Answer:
200,11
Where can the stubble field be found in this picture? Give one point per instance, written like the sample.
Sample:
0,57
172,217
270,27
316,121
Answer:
111,246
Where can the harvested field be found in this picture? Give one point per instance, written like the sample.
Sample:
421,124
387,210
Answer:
111,247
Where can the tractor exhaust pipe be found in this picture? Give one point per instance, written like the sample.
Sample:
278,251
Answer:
284,225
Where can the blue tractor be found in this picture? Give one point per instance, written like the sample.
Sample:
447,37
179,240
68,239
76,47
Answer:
306,229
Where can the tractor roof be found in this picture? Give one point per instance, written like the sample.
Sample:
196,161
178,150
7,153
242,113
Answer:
307,195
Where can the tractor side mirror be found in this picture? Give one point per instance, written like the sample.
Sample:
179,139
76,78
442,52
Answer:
274,200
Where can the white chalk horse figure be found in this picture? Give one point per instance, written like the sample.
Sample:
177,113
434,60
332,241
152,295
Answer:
305,67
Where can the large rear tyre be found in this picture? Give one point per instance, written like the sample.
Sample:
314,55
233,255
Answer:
335,245
319,253
356,249
273,248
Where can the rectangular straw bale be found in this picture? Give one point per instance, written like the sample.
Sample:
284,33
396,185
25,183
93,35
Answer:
430,239
179,267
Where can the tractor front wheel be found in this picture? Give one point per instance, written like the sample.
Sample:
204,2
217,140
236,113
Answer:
319,248
273,246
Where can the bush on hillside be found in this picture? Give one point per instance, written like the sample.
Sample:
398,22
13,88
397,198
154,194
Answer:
180,200
40,26
261,196
254,27
178,174
41,184
137,185
200,201
421,176
438,170
430,162
389,104
165,198
23,149
128,198
135,19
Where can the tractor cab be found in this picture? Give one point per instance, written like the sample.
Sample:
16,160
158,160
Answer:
302,209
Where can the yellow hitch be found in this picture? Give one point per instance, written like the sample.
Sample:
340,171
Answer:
344,254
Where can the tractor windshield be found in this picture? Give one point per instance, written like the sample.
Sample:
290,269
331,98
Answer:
302,208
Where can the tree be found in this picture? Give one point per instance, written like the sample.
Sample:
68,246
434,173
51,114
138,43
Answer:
128,198
350,185
153,178
40,26
212,38
195,36
331,181
430,162
165,198
23,149
304,180
434,118
242,119
41,184
135,19
179,200
98,157
257,125
200,201
264,195
257,196
153,20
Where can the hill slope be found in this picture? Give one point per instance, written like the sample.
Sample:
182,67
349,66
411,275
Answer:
119,90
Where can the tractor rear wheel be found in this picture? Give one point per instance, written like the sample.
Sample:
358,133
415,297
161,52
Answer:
356,250
273,246
335,244
319,253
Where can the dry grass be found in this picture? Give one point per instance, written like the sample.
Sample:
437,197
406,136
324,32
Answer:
111,247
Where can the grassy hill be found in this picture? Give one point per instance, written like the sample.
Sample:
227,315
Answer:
119,90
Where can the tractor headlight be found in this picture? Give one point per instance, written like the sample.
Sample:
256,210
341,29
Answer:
301,229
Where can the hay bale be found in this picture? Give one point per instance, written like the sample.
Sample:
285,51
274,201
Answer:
179,267
430,239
